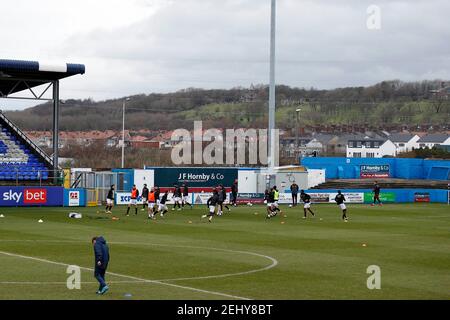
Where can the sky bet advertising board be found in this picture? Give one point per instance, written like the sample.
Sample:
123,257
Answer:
374,171
31,196
195,177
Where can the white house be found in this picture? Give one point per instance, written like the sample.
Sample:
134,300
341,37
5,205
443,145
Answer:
446,142
431,140
370,148
405,142
312,147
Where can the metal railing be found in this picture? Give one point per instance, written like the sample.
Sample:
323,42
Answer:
44,178
96,183
26,139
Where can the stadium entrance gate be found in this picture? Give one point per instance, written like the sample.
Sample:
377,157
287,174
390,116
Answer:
96,183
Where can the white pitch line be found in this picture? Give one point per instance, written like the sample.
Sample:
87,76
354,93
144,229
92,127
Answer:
272,265
60,282
126,276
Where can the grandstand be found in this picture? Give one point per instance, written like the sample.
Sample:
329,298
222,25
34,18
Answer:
20,159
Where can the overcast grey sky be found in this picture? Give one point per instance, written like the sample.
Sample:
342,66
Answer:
144,46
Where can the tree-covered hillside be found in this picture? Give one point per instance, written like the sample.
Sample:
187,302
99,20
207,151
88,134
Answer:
386,103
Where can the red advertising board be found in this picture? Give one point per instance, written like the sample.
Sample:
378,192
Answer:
421,197
374,171
35,196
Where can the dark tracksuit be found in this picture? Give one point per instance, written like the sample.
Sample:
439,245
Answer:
164,198
234,191
185,194
220,195
294,191
145,193
266,196
110,194
213,201
271,200
222,198
376,191
177,194
224,194
339,199
306,198
163,201
145,196
101,253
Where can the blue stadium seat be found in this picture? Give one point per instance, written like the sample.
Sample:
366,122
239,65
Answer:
17,160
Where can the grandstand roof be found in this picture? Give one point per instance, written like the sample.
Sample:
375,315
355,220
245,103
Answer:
19,75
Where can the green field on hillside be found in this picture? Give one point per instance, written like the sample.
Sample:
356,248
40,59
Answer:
240,255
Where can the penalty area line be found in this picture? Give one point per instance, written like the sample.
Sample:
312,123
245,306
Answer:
127,276
61,282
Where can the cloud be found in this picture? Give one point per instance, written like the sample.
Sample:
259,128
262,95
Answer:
160,46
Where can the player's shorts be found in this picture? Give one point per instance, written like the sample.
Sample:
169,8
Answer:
144,200
307,205
162,207
176,199
342,206
133,202
269,204
151,205
109,202
275,204
186,198
212,209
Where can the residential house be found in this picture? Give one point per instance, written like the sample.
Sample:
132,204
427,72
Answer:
40,138
164,139
288,145
84,138
338,145
405,142
312,148
435,139
326,141
371,148
142,142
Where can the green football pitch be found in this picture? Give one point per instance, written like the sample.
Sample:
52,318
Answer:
240,255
